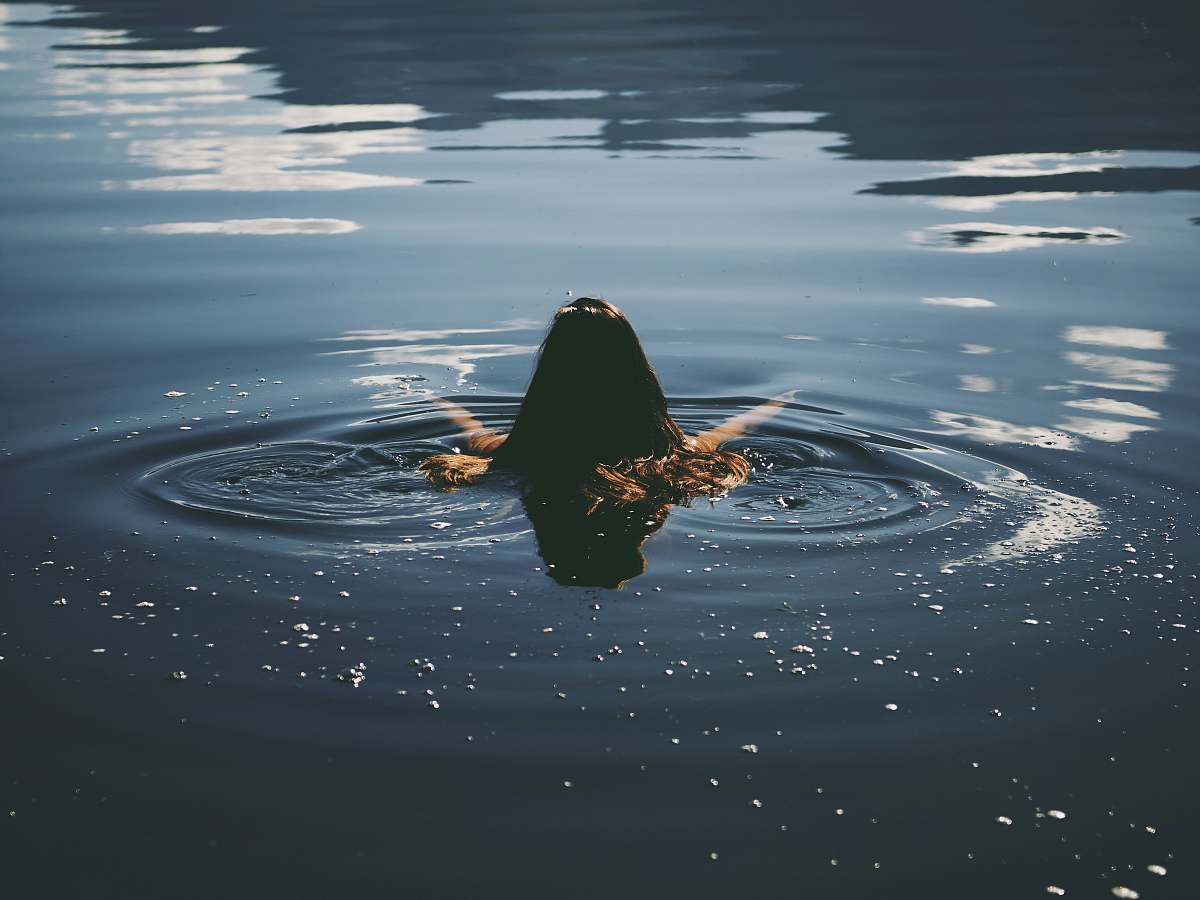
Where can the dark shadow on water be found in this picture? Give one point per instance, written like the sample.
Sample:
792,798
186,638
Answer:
1145,180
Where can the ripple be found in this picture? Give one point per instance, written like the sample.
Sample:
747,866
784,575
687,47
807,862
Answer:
320,487
834,485
827,482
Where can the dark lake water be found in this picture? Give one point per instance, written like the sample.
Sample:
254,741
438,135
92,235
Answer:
939,645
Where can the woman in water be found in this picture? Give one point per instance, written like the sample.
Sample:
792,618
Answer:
602,458
594,421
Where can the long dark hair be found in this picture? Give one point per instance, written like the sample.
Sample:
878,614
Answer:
595,416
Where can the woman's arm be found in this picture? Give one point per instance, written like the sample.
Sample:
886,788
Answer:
738,425
480,438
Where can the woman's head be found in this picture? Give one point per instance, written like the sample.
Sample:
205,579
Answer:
593,398
594,421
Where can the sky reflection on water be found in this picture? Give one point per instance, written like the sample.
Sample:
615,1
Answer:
213,108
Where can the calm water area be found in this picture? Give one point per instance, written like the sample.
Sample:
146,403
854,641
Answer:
940,645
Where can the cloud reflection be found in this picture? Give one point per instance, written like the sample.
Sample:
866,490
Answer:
462,359
977,384
1108,430
390,387
1113,407
1116,336
1023,165
960,302
254,226
206,97
1122,373
99,37
293,180
993,237
138,57
121,107
584,94
1115,373
984,183
270,162
997,431
290,117
204,79
989,202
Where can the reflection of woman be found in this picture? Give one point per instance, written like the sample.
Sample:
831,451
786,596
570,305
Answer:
594,546
594,437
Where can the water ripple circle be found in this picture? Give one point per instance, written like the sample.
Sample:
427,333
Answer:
830,484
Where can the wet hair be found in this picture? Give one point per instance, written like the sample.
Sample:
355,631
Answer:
594,417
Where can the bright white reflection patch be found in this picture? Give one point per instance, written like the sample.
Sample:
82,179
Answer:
994,237
977,384
1109,430
552,95
1055,519
222,138
1023,165
1116,336
120,107
989,202
98,37
960,302
294,180
1122,373
292,116
977,349
461,358
201,79
388,388
270,162
996,431
133,57
783,117
1113,407
254,226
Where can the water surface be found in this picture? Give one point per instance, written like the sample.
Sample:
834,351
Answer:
938,646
